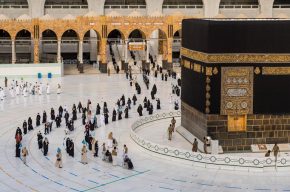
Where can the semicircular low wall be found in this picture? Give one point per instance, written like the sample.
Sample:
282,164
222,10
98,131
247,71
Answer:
208,160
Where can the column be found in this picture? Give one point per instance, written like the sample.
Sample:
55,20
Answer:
96,6
36,51
36,8
40,42
81,51
31,60
266,8
103,55
93,45
126,51
154,7
169,53
97,50
163,50
122,58
58,51
211,8
148,50
13,51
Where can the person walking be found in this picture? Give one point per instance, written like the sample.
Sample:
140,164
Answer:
84,159
109,71
125,151
205,145
103,151
170,130
173,121
96,148
6,81
45,146
58,162
24,154
276,151
195,145
114,156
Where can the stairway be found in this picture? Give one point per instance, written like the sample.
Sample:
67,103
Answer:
90,69
71,69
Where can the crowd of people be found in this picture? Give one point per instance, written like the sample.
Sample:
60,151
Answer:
91,118
25,88
89,142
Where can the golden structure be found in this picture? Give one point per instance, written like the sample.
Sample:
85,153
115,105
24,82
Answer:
235,58
102,25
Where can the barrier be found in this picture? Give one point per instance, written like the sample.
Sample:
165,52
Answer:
39,75
31,70
219,161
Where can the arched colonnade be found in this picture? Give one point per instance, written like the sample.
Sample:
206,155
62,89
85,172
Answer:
95,30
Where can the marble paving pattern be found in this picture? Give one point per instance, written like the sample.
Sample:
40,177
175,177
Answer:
151,173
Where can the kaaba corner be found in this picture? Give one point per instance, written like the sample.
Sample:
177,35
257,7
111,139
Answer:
236,81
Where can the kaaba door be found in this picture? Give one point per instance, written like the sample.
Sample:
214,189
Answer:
237,123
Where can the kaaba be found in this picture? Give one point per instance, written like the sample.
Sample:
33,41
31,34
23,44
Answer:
236,81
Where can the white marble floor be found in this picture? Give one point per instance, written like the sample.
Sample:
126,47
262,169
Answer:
151,173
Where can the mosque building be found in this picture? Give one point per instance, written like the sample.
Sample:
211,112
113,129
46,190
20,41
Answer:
144,95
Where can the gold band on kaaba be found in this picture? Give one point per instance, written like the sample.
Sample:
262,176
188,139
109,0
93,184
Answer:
235,58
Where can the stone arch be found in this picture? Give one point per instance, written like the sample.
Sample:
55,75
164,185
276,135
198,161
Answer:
48,33
158,44
92,38
4,34
5,39
122,36
137,34
23,47
22,30
85,34
161,31
54,30
177,33
71,31
70,38
48,52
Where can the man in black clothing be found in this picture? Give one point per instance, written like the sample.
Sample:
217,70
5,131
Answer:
60,111
96,149
134,99
57,121
139,110
37,120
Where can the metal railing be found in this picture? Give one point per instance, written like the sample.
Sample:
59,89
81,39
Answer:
3,6
48,58
201,158
177,40
66,6
13,6
282,6
182,6
4,60
239,6
70,61
125,6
